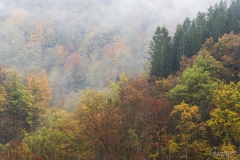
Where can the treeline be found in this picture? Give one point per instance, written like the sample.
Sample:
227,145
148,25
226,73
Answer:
166,51
191,115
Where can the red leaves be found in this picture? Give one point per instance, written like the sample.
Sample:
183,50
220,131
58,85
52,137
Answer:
38,158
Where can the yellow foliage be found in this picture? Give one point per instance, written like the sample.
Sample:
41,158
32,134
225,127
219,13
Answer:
37,84
3,98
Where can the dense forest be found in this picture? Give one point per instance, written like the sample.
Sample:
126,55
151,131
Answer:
184,105
76,41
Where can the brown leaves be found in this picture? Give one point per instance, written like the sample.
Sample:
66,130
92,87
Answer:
227,51
100,122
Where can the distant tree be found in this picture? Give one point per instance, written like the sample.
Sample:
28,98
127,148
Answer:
51,38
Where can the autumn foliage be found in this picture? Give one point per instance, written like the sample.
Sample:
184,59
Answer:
192,113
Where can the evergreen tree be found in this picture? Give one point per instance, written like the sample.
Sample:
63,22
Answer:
235,9
186,24
217,21
233,22
160,52
177,45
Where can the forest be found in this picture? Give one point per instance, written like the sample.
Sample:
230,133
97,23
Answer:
80,93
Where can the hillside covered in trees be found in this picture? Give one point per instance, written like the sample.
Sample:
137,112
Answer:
184,106
83,43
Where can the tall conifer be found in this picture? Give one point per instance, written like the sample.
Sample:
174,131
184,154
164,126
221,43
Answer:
160,52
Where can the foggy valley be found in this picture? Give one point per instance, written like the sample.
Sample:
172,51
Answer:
119,79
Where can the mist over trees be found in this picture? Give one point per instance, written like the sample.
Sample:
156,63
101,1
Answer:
75,42
63,95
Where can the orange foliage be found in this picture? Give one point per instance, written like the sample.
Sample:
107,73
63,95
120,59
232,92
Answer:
17,16
73,60
38,36
102,129
116,50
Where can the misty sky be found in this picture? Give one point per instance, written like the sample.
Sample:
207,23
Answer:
166,12
162,12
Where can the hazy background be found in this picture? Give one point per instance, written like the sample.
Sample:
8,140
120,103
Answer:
85,43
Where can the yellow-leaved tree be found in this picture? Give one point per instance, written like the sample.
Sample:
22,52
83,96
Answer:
225,118
189,132
39,88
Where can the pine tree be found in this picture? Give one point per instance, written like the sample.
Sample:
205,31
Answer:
177,45
235,9
217,22
233,15
186,24
160,52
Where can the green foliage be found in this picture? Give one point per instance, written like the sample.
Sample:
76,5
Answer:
208,63
160,53
194,86
56,139
20,102
197,83
114,88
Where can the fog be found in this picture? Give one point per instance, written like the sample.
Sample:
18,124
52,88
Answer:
161,12
86,43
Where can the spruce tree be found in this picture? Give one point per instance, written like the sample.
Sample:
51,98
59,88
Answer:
186,24
160,52
177,45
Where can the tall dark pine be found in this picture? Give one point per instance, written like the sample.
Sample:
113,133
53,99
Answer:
196,34
235,9
177,47
217,22
233,15
186,24
160,52
185,40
